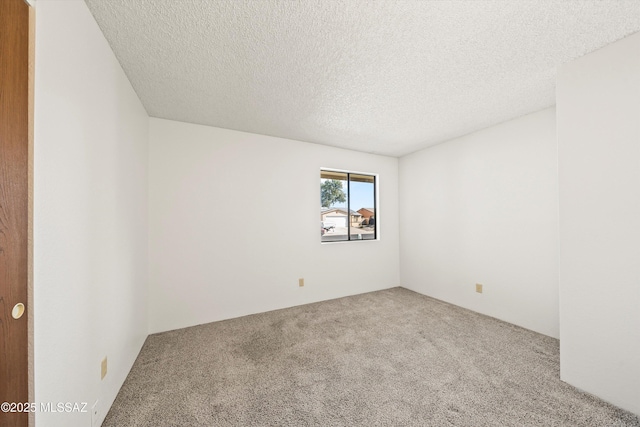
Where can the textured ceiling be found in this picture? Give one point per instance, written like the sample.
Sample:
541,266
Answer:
387,77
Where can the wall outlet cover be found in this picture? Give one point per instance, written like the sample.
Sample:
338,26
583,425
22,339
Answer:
103,368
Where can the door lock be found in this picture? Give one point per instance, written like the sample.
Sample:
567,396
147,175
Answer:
18,310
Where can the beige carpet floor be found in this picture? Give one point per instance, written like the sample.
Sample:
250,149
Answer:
387,358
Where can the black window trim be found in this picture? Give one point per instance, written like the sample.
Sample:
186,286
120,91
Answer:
375,204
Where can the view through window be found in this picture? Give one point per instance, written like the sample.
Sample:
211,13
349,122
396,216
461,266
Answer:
347,206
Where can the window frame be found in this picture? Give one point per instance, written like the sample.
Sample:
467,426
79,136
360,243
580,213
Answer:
376,184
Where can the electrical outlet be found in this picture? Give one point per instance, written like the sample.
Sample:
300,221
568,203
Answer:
103,368
479,288
95,415
301,282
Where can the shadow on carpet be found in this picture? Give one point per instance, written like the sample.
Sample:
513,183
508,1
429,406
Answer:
387,358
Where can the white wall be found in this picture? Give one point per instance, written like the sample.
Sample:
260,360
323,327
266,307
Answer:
483,209
90,225
234,222
599,168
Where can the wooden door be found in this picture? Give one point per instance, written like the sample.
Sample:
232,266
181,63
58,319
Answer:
15,124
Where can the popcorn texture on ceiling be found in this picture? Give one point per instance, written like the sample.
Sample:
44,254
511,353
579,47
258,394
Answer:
386,77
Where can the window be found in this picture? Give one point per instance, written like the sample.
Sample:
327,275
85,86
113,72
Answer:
347,206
